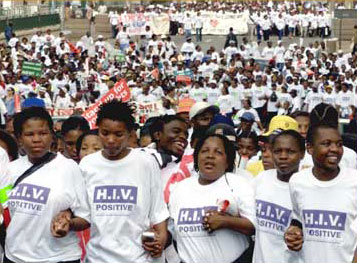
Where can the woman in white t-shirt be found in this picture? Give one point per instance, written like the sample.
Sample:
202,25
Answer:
124,193
212,212
324,202
272,198
38,198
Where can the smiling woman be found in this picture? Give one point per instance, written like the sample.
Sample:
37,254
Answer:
214,210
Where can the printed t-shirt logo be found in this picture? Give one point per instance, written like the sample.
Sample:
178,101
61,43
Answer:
115,199
190,220
324,226
28,198
272,217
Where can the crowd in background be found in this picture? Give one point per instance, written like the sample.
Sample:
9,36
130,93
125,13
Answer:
242,162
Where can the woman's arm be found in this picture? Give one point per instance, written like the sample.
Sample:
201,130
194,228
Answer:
215,220
156,247
65,222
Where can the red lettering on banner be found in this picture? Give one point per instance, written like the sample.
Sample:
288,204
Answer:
119,91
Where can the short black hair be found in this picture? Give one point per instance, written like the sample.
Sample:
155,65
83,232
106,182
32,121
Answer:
81,138
31,113
296,114
198,133
324,114
158,125
250,135
313,129
228,147
297,136
116,110
13,149
74,123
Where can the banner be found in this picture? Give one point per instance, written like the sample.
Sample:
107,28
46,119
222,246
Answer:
31,69
119,91
219,24
214,24
136,23
146,110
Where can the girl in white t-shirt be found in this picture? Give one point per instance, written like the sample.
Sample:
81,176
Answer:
324,202
37,199
272,198
212,212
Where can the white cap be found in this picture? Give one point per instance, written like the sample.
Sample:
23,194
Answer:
200,107
100,36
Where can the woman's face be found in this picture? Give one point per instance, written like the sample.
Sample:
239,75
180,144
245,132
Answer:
36,138
90,144
267,156
327,149
246,147
287,155
114,136
212,160
173,138
304,123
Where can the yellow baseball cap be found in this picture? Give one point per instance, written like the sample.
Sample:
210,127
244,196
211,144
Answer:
282,122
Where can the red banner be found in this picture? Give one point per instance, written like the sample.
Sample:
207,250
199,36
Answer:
119,91
183,78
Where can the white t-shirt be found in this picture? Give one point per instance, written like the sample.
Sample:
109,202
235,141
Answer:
213,95
225,103
345,99
142,98
273,211
125,198
198,94
326,210
313,99
189,202
258,93
237,96
55,187
330,98
271,106
4,162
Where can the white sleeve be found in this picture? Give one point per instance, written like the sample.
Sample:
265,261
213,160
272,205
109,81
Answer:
80,205
246,200
295,205
158,209
256,116
3,108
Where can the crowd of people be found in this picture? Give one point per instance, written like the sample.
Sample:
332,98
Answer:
244,161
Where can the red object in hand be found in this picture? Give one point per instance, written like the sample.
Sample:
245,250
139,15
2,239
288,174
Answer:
224,206
7,217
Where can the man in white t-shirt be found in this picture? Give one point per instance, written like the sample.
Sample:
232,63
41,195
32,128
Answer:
125,194
198,27
323,200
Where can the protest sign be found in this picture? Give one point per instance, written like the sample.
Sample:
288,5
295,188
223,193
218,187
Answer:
31,69
119,91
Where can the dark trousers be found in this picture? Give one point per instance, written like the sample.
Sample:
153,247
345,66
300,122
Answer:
261,113
270,115
280,34
114,31
198,34
266,34
6,260
259,36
